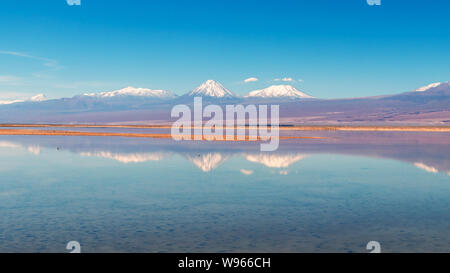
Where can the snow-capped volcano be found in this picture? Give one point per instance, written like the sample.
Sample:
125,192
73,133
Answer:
211,88
279,91
39,97
431,86
133,92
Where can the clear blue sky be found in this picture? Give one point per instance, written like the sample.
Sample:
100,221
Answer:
339,49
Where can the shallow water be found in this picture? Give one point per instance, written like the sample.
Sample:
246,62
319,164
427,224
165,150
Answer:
151,195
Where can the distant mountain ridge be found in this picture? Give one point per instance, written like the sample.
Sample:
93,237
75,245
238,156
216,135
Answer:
209,89
426,105
131,91
214,89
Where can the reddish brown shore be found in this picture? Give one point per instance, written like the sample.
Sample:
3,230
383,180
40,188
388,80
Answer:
281,128
27,132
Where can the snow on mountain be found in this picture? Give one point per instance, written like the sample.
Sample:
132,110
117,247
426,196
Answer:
10,101
211,88
37,98
279,91
133,92
428,87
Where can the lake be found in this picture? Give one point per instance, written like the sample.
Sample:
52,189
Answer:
116,194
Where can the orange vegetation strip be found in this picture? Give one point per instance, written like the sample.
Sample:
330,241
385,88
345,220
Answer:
75,133
281,128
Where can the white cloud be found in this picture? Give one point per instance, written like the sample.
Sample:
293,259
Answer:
252,79
46,62
74,2
14,53
286,79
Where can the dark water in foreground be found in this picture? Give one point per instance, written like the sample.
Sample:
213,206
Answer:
144,195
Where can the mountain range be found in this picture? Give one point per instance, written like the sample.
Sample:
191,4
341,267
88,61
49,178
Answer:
425,105
208,89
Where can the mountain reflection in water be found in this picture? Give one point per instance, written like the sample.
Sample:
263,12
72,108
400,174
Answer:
117,194
430,157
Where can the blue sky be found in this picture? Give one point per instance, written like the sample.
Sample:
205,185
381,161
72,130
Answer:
330,49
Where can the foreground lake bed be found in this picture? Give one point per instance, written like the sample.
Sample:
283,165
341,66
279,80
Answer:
117,194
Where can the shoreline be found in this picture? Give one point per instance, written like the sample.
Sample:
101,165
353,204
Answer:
281,127
30,132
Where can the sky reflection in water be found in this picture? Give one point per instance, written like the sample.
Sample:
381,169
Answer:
136,195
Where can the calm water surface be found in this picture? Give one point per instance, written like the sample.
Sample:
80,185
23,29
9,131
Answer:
143,195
